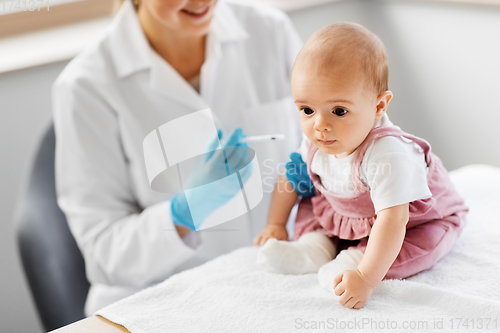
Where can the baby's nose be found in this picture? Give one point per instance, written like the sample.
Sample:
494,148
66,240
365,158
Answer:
322,124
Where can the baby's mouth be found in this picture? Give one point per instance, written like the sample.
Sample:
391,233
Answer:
326,142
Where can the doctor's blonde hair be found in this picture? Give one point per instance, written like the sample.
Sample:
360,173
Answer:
119,3
348,44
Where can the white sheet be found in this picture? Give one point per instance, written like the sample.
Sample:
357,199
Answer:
231,294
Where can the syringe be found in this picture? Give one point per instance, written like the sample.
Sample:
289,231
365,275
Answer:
263,137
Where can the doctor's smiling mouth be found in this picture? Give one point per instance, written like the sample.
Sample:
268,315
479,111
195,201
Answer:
184,14
197,13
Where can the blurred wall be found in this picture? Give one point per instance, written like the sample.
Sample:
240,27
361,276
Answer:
24,112
444,70
444,73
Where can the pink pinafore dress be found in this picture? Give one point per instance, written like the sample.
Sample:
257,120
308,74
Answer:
433,226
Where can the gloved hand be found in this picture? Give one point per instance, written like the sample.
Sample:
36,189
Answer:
296,172
218,165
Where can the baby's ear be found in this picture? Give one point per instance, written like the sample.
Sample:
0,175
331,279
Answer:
383,102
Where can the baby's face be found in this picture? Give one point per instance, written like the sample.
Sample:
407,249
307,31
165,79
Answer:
336,110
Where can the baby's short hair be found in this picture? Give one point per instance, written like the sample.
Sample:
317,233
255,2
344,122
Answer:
348,44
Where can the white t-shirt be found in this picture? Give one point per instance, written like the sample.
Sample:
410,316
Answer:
394,169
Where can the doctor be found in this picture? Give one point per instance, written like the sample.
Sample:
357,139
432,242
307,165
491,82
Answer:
160,60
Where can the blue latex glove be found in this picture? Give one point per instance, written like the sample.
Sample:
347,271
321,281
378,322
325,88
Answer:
216,166
296,172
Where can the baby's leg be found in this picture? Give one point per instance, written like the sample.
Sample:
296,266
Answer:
424,245
345,260
306,255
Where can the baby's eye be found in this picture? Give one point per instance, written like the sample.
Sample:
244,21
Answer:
340,112
308,111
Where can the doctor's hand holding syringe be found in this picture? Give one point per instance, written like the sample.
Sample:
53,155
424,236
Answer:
215,166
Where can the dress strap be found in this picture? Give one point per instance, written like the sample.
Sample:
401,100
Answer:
376,133
315,179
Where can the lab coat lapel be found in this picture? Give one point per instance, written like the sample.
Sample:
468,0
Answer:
131,52
166,80
225,28
127,44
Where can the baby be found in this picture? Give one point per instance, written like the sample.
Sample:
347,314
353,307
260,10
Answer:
384,206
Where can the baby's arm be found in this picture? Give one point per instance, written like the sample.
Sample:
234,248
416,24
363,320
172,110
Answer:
283,199
385,241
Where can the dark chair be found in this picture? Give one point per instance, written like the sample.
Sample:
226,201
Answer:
52,262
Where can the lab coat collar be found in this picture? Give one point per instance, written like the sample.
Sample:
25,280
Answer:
129,47
225,26
131,52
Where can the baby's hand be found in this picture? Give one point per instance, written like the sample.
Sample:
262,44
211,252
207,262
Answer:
352,288
271,231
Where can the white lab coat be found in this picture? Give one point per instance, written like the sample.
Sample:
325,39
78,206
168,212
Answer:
117,91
